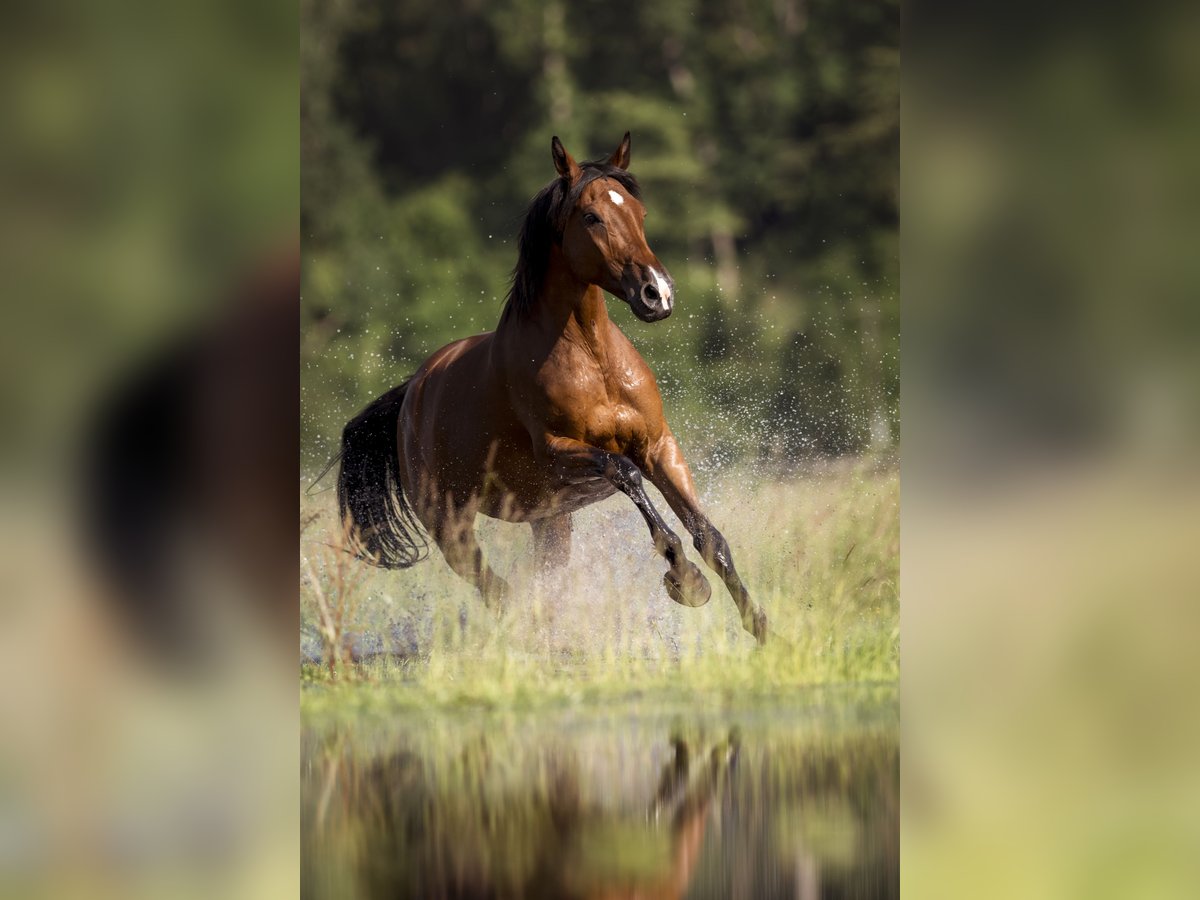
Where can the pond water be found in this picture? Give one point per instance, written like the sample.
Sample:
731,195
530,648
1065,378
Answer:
796,797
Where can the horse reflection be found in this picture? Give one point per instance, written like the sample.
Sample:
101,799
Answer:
443,831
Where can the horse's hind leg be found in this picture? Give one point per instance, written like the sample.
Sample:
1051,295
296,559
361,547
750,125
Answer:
551,541
455,537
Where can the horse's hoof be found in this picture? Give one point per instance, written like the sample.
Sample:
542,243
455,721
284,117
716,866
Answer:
689,587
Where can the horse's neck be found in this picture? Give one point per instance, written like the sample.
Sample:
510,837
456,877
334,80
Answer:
574,311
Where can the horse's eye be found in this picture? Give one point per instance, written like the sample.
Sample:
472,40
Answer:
590,218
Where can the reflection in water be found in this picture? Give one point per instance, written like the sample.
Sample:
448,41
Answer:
758,805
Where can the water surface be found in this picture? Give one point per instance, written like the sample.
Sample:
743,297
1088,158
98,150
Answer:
795,797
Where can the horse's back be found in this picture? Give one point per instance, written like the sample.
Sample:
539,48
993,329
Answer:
448,386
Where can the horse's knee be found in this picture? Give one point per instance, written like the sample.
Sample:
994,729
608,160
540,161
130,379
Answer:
622,472
459,548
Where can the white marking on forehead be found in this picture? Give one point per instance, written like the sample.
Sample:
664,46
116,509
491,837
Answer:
664,289
616,198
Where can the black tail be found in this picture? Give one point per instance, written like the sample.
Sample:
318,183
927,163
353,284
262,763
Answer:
382,527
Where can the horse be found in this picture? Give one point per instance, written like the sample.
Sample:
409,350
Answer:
551,412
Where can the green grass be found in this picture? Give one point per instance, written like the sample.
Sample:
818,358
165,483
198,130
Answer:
819,551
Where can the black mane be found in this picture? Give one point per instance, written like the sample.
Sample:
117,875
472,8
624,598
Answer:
544,223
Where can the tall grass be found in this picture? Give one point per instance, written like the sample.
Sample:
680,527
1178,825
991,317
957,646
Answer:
820,551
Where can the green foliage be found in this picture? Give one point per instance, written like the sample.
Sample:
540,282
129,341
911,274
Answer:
766,136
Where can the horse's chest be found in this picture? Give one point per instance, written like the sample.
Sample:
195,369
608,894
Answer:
594,412
615,427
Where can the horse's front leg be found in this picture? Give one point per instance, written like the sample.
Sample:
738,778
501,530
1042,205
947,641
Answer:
574,460
667,470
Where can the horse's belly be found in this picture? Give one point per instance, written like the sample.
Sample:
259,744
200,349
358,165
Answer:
581,494
545,500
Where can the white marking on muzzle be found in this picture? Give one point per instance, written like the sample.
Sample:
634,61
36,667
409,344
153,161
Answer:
664,289
616,198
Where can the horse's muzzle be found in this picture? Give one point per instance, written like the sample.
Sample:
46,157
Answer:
649,293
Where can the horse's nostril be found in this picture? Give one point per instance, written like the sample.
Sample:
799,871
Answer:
650,292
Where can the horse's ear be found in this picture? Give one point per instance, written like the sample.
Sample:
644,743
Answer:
620,157
563,161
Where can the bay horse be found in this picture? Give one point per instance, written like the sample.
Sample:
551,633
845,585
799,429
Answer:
551,412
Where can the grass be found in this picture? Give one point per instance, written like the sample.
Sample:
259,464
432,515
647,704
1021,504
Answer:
820,552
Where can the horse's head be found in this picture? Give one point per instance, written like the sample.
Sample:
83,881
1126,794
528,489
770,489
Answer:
602,237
